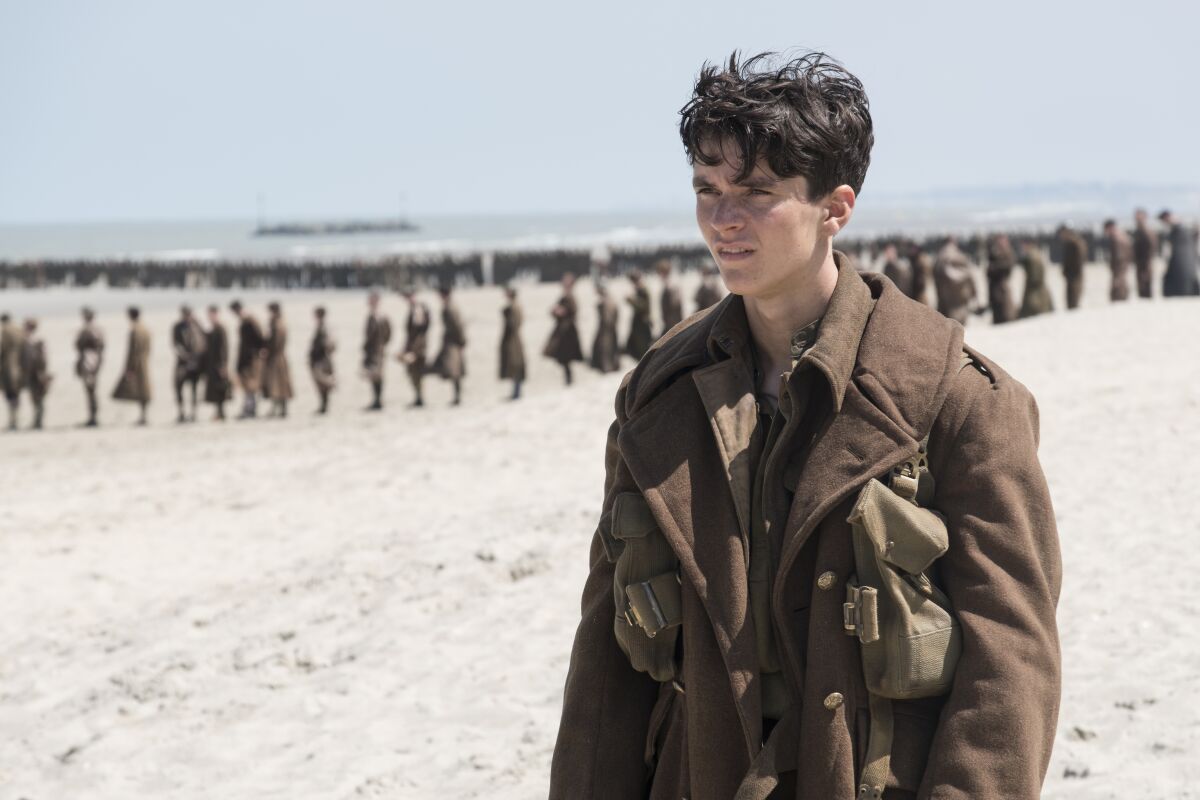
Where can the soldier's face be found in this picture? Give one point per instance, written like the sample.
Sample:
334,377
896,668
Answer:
765,233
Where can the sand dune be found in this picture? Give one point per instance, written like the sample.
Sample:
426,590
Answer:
383,605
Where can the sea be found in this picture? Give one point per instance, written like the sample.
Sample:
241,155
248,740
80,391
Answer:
1023,208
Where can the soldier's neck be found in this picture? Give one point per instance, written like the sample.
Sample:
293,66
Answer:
775,317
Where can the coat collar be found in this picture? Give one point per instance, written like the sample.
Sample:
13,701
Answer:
836,346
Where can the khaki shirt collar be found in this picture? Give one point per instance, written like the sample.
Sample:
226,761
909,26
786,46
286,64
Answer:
835,350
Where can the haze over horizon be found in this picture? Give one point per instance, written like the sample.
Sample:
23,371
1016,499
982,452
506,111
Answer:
133,110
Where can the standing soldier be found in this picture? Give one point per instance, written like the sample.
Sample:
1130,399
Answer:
451,361
671,300
954,282
512,350
11,380
1074,256
375,341
217,386
640,338
277,375
188,338
1001,261
416,343
897,270
1180,279
1037,298
1145,246
249,362
606,352
320,360
922,272
36,370
1120,255
134,385
563,345
89,352
709,293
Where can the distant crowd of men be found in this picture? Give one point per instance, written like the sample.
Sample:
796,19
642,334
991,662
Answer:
260,368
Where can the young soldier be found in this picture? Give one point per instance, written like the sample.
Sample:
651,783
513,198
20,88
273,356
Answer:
320,360
89,351
188,339
512,349
134,385
743,443
375,340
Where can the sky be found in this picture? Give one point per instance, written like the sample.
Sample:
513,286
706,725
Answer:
143,109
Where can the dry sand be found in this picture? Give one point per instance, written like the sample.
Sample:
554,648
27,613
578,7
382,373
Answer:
383,605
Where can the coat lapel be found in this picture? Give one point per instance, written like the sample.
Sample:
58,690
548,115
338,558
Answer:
695,511
732,411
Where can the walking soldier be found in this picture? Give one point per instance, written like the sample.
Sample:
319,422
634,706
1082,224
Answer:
89,352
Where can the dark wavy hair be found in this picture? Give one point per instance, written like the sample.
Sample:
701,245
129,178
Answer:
808,116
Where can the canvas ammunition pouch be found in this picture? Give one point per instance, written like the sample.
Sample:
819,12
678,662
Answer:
909,638
646,588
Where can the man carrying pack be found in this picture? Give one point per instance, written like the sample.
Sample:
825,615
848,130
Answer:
773,475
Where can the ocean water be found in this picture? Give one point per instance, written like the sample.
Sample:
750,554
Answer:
1021,208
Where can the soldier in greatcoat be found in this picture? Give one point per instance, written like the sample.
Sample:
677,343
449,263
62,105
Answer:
277,374
35,368
11,379
606,351
451,361
742,449
1181,278
640,337
709,292
89,353
375,340
134,385
218,388
897,270
512,349
416,343
1001,261
1145,247
1036,299
954,282
249,362
1074,256
671,299
563,345
922,272
188,339
320,360
1120,258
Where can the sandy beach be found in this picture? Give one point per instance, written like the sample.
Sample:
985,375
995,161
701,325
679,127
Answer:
383,605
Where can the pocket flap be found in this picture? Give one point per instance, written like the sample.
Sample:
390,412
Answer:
904,535
631,517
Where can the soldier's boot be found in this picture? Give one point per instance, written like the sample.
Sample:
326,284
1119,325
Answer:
516,394
38,408
324,408
567,372
457,393
142,418
93,408
377,391
220,412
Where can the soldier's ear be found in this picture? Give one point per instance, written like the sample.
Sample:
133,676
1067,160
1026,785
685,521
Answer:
838,207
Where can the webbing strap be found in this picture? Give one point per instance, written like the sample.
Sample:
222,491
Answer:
879,750
779,754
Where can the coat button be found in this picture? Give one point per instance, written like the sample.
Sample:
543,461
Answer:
826,581
834,701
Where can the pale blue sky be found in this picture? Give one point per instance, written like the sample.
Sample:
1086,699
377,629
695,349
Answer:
179,110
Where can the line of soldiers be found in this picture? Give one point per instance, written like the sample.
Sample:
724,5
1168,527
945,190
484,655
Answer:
950,273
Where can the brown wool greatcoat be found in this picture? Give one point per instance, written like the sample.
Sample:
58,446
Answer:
883,365
135,379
